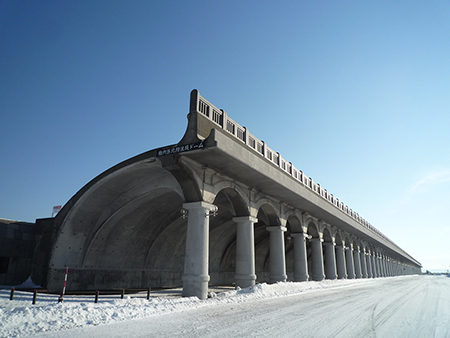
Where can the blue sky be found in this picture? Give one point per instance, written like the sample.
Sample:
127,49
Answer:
355,94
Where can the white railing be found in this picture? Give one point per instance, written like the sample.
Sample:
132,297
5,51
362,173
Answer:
221,118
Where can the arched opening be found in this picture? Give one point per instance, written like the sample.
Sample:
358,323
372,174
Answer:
312,233
329,255
349,259
267,216
293,226
222,236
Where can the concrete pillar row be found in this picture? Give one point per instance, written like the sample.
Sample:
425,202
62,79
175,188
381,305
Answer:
245,251
277,260
340,262
317,259
300,257
196,260
350,263
363,264
330,260
356,258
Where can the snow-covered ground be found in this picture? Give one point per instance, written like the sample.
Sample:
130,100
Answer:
412,306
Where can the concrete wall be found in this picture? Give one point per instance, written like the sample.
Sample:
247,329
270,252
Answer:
17,241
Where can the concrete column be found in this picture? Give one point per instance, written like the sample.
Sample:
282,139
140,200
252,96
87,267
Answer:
340,262
379,271
357,260
369,266
350,264
317,259
277,261
386,266
245,251
374,266
196,260
300,257
381,261
383,266
330,260
363,264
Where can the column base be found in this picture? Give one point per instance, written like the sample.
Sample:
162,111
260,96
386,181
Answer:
301,278
317,278
277,278
245,281
195,286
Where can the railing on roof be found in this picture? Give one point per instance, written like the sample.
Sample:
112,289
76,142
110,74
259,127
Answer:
221,118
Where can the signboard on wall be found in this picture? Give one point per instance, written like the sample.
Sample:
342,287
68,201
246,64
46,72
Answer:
181,148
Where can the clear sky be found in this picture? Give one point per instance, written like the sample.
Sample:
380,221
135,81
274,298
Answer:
354,93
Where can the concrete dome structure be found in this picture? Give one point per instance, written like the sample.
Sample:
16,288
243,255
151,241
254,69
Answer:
219,207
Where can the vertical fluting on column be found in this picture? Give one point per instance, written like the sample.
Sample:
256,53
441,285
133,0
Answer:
357,260
330,260
317,259
277,260
340,262
300,257
362,256
349,261
196,260
245,251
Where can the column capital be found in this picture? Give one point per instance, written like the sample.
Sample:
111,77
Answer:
200,205
242,219
299,234
276,228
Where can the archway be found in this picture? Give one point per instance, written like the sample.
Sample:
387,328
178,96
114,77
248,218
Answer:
222,237
267,216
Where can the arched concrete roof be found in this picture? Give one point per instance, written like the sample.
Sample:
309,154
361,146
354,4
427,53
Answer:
116,221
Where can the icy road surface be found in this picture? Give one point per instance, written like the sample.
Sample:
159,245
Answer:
413,306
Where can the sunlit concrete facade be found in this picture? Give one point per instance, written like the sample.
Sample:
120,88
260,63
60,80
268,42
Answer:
217,208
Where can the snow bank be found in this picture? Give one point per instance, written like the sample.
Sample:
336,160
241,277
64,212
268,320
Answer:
28,284
19,317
